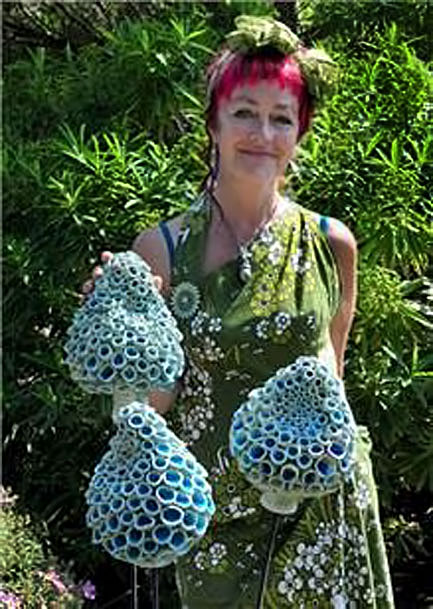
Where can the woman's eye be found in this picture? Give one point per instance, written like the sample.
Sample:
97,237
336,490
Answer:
244,113
285,120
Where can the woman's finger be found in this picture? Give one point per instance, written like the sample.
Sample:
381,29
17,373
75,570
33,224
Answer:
106,256
97,272
157,279
87,286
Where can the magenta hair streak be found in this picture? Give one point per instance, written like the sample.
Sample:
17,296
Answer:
242,69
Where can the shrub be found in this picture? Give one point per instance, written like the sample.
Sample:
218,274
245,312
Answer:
29,578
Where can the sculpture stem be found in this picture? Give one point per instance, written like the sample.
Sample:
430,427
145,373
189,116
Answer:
122,397
270,550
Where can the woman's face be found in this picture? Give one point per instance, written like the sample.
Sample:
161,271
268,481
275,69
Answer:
256,131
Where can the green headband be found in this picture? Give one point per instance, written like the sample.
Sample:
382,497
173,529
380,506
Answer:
255,33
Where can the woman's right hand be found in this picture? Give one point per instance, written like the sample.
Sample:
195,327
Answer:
89,285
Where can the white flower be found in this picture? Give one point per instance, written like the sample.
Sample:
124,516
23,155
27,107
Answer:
282,321
310,561
298,266
266,237
185,300
275,252
261,329
338,602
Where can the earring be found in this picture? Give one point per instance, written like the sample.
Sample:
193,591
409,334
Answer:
214,166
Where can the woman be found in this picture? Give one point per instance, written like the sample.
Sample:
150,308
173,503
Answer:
254,281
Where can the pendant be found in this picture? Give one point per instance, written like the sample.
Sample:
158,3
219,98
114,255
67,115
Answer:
245,269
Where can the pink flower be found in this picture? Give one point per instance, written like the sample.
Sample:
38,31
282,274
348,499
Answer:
54,578
88,590
11,601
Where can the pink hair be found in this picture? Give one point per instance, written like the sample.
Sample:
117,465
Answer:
230,70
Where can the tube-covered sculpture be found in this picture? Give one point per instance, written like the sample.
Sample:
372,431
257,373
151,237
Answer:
124,336
149,500
294,437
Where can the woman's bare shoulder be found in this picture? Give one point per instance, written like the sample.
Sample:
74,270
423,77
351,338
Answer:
152,247
342,243
341,237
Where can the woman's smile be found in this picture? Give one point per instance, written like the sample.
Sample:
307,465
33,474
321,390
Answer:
258,153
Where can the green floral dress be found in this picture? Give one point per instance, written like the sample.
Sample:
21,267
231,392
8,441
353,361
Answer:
237,333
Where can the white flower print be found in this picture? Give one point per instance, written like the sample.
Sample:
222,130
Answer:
311,566
338,602
282,322
298,266
261,329
275,252
196,419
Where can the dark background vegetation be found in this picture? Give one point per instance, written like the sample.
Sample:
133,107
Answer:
104,135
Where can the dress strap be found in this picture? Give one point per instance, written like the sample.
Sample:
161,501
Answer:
324,224
168,240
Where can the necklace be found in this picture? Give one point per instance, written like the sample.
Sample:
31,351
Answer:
244,253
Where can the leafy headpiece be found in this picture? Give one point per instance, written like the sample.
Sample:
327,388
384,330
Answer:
253,34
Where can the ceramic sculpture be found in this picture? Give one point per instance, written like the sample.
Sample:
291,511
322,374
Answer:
294,437
124,336
149,500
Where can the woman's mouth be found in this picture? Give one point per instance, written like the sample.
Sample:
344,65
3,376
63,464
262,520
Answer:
257,153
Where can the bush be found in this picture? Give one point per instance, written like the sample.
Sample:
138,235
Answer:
28,575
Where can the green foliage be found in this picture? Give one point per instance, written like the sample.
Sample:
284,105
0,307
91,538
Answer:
381,178
25,570
385,311
358,21
386,379
138,79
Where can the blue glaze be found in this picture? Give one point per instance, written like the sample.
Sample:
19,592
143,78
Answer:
163,502
295,433
161,534
165,495
123,322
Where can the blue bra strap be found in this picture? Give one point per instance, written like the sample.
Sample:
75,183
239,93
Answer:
324,224
169,241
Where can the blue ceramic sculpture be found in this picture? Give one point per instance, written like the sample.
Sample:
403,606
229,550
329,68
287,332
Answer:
149,500
124,335
294,437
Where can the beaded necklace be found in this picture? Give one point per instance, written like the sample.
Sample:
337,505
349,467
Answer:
244,254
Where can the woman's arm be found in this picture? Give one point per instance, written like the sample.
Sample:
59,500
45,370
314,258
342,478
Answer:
343,244
151,247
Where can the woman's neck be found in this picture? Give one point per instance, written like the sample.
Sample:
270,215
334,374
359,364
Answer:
246,210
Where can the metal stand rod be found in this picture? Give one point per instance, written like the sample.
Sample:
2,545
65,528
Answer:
134,588
155,574
270,550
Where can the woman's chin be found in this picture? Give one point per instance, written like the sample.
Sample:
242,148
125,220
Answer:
255,174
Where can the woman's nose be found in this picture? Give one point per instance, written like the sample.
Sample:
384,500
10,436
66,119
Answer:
263,130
